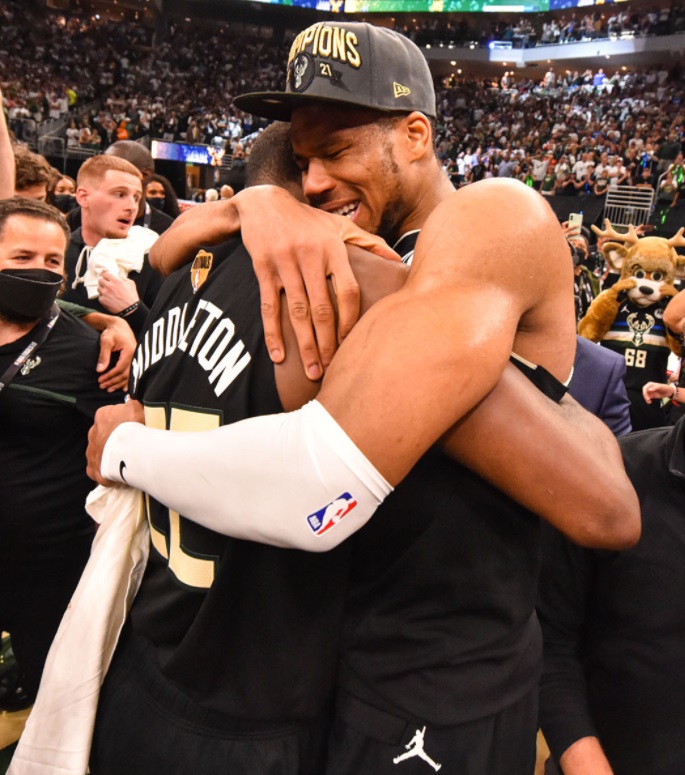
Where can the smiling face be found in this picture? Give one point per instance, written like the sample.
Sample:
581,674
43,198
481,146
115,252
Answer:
109,205
352,164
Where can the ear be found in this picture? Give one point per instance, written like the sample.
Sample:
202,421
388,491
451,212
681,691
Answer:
418,134
81,195
614,253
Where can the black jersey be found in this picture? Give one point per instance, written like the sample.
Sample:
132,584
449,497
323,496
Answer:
245,630
45,414
441,624
639,334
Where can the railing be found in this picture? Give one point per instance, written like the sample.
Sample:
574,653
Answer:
54,147
25,130
53,126
628,204
81,153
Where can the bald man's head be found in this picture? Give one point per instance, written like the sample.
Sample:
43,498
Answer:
135,153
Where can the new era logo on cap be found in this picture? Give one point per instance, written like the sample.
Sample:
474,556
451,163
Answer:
350,63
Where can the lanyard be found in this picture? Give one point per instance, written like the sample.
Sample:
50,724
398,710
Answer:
148,216
34,344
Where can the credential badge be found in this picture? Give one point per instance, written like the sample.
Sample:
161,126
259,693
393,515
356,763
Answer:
30,364
199,269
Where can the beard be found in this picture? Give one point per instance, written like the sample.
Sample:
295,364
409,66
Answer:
396,209
15,317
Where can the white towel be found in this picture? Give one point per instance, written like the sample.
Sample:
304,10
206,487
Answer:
59,732
118,256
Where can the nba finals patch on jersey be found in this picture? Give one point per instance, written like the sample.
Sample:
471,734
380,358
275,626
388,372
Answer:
329,516
199,269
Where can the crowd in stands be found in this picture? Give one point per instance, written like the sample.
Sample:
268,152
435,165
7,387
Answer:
52,66
570,133
182,88
563,126
584,24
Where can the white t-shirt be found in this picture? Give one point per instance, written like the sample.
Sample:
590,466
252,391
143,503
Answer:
580,169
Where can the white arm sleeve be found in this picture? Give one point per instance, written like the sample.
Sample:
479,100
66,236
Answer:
294,480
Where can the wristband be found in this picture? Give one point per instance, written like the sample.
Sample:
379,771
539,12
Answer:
128,310
674,397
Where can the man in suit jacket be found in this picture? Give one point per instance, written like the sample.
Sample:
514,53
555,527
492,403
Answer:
597,385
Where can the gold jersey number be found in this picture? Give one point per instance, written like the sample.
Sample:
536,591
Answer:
190,569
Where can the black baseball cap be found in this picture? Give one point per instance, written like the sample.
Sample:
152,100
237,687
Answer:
349,63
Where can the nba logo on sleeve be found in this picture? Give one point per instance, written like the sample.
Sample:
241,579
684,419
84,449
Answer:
329,516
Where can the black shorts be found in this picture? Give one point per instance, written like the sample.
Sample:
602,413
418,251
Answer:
146,726
367,741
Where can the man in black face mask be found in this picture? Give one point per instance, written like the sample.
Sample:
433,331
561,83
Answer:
48,395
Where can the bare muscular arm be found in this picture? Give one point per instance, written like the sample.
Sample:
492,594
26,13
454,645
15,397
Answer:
413,364
546,456
425,356
406,352
674,314
517,439
6,157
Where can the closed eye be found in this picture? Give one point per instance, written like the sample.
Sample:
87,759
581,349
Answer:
337,153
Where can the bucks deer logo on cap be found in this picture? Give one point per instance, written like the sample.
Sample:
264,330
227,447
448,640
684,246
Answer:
301,72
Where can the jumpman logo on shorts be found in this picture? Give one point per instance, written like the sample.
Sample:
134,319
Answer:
415,748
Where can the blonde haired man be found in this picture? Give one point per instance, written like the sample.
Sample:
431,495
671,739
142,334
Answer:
106,262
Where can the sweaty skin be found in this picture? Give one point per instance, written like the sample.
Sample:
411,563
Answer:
485,281
7,170
520,464
674,314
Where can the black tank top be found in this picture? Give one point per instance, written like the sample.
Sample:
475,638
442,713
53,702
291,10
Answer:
440,625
